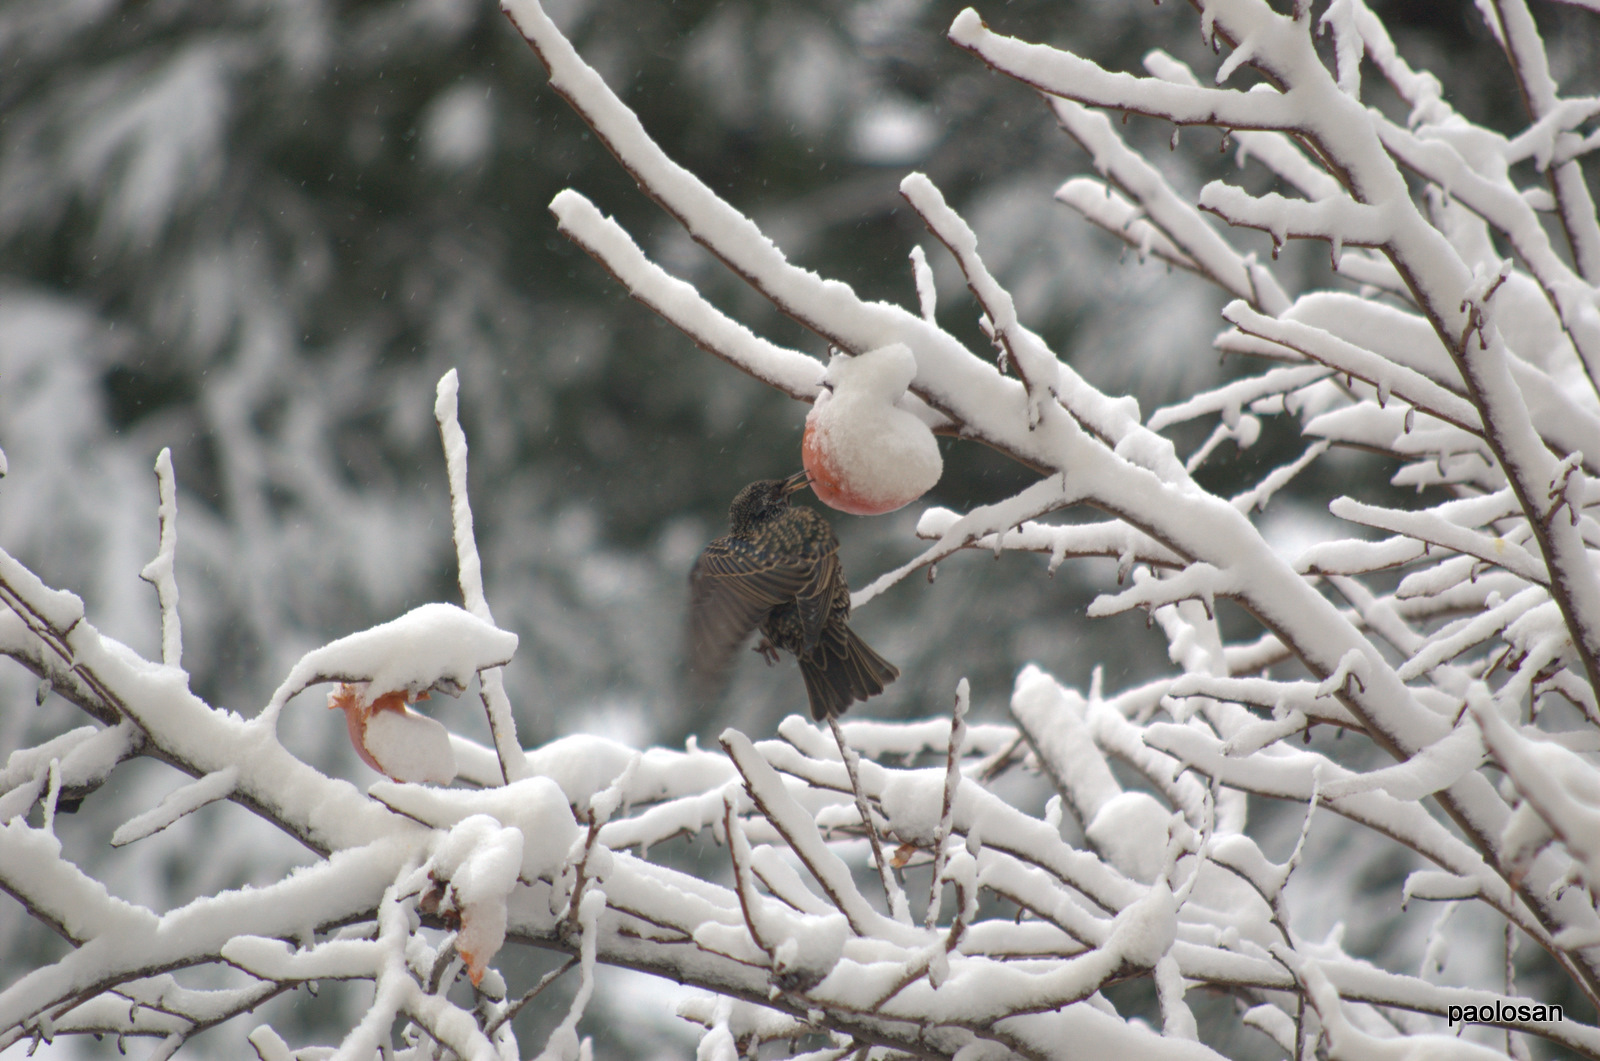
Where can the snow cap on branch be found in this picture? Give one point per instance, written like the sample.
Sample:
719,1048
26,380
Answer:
435,646
478,859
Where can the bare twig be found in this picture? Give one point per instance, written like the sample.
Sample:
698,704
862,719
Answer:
952,780
896,896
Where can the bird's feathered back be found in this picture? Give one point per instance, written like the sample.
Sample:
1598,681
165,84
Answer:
778,569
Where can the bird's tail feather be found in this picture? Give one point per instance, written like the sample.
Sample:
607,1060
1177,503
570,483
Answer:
841,670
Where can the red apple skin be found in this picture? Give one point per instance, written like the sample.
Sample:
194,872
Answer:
830,487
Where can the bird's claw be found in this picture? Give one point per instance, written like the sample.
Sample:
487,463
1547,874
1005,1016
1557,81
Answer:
768,651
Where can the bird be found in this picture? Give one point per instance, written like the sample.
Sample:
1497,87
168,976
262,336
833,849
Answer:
778,569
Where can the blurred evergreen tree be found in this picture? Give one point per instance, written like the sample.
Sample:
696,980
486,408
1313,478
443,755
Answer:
259,232
262,231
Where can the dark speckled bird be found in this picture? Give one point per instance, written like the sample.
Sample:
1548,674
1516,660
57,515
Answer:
778,569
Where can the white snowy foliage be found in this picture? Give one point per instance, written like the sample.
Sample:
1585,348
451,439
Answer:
1466,689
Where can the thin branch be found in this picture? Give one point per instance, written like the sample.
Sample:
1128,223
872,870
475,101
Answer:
511,1011
896,896
502,722
952,781
1529,64
160,572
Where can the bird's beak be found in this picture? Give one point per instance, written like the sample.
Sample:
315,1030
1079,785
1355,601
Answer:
795,483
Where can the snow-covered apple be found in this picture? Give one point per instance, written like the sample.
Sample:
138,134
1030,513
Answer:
867,455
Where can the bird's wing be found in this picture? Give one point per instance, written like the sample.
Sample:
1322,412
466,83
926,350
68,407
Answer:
731,587
815,601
